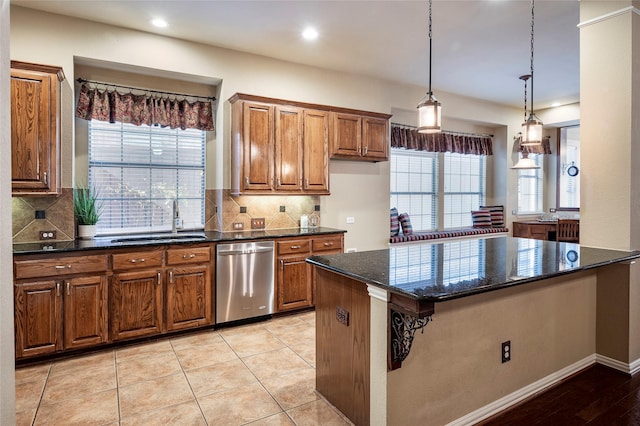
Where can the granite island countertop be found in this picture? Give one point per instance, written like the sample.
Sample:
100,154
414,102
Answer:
187,237
437,272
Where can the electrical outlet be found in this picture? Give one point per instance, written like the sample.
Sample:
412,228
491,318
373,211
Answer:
506,351
238,226
351,219
351,250
257,223
47,235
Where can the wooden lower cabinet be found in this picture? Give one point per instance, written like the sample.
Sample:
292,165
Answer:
151,301
295,286
189,297
136,304
58,314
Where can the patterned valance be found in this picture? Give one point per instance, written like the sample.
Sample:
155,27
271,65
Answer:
409,138
150,109
543,148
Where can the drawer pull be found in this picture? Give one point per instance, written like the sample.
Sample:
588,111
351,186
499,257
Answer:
295,247
137,260
328,244
63,266
188,256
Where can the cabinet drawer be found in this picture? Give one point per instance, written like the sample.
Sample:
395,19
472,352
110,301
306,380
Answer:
333,243
137,259
293,247
37,268
188,255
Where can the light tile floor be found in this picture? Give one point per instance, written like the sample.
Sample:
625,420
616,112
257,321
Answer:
258,374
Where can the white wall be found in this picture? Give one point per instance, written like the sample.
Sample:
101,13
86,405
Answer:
7,375
357,189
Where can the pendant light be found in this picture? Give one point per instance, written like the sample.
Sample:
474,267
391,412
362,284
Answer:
524,163
532,126
429,109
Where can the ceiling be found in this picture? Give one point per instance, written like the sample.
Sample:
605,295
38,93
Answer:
480,47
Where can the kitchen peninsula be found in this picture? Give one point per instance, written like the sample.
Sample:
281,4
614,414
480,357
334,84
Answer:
415,334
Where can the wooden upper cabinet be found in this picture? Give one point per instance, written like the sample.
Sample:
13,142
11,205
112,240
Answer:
316,151
360,137
35,128
278,147
288,145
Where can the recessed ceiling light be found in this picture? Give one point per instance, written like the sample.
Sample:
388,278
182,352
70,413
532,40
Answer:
310,33
160,23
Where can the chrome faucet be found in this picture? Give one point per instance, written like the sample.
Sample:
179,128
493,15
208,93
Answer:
175,218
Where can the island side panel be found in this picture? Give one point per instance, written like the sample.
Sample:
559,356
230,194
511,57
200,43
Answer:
455,367
343,344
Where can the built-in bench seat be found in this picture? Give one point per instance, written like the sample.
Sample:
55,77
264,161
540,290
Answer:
452,233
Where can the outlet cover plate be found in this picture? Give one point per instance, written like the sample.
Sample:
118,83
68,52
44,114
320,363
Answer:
257,223
47,235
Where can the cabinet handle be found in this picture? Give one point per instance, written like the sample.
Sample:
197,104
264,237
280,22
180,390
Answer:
246,180
63,266
159,278
170,277
188,256
44,176
68,288
279,182
58,289
295,247
366,148
306,183
281,264
136,260
328,244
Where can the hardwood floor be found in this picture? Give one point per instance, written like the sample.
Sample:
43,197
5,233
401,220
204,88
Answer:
596,396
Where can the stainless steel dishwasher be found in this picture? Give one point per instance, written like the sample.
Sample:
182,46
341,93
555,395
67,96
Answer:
244,280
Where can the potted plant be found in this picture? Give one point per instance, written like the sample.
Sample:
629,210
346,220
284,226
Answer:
87,210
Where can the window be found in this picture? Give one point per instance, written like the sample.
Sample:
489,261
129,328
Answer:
433,199
568,191
464,188
414,186
530,187
139,170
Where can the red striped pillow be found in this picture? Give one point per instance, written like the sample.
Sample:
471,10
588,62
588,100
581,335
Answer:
481,219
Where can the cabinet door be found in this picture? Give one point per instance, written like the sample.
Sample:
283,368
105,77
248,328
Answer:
288,147
85,311
189,297
31,127
375,138
136,304
316,151
38,318
347,135
257,147
294,283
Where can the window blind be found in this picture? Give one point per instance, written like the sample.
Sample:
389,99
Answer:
139,170
414,186
464,188
530,187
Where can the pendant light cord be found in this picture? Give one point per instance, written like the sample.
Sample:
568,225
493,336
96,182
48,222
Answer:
532,34
430,48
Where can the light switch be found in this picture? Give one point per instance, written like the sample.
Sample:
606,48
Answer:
351,219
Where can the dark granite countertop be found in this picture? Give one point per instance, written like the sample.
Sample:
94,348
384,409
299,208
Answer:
163,239
450,270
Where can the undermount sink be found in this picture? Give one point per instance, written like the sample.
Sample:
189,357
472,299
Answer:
154,238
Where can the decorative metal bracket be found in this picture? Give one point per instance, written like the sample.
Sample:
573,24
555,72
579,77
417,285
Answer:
404,320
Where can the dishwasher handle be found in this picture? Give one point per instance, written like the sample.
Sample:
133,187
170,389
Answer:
248,251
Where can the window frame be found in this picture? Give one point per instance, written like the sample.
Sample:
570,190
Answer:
539,181
196,182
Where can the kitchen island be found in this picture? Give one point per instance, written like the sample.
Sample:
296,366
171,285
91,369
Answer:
414,334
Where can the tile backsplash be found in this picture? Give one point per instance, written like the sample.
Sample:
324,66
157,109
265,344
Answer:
222,210
58,212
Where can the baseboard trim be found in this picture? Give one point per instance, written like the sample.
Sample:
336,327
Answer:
524,393
632,368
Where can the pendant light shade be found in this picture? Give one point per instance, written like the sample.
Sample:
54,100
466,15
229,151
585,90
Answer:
525,163
429,115
429,109
532,126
